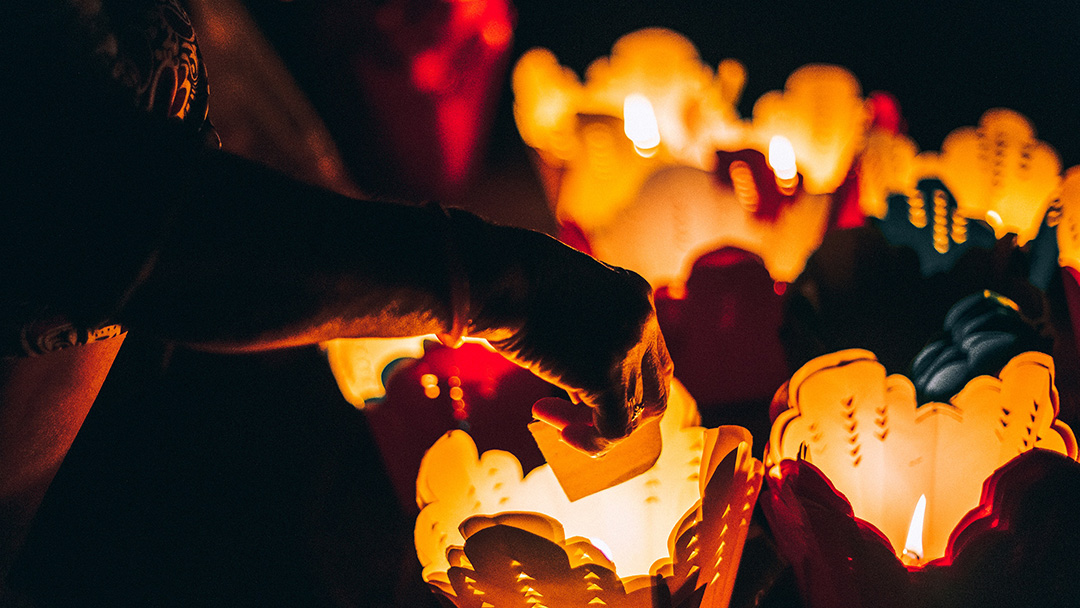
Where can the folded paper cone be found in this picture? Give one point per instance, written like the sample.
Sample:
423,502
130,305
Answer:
580,474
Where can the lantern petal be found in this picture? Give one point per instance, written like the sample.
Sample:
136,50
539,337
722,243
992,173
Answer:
512,546
880,448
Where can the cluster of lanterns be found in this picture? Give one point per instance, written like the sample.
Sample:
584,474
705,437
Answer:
870,479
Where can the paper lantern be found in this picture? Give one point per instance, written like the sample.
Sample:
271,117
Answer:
997,173
359,364
431,389
823,114
630,158
1017,547
489,537
880,448
723,334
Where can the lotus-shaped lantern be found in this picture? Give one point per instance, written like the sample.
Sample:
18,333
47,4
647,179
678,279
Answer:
865,431
671,536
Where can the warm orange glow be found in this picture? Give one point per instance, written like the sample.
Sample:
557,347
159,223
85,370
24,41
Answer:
997,172
653,525
358,364
882,450
639,123
822,112
913,546
679,214
604,185
1068,221
590,170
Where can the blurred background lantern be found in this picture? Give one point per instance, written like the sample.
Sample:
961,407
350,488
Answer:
988,182
487,535
707,178
431,389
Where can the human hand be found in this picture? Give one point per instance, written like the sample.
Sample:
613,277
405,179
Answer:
590,329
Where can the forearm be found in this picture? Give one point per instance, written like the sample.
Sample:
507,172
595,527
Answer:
256,260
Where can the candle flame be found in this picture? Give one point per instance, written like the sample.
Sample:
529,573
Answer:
639,122
782,157
913,546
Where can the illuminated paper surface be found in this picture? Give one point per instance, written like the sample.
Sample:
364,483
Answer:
863,429
486,532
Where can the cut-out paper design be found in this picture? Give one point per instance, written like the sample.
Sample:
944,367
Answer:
865,430
672,536
679,214
997,173
928,221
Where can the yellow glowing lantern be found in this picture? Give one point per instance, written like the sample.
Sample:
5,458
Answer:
824,116
628,156
585,140
680,214
486,534
1000,172
865,431
886,167
358,363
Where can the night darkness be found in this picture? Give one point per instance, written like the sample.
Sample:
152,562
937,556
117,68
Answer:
248,480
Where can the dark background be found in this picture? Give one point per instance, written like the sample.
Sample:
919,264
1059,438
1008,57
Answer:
235,481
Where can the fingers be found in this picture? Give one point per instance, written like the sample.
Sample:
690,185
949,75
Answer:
560,413
575,423
657,371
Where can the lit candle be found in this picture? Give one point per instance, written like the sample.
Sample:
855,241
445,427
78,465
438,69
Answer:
639,124
782,162
913,546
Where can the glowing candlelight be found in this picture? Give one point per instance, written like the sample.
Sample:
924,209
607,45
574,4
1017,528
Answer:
487,529
640,125
913,546
782,161
867,432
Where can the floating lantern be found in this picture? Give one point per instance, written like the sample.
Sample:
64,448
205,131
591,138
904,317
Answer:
865,431
1017,547
360,364
986,182
431,389
730,299
487,536
822,114
630,158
